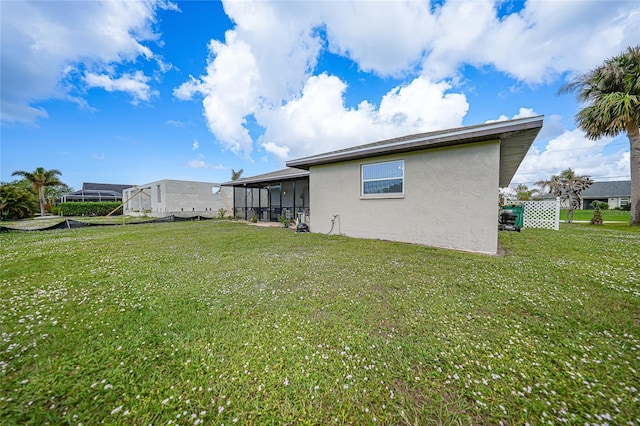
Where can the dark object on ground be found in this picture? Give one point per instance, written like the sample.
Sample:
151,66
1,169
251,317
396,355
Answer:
507,221
302,227
71,223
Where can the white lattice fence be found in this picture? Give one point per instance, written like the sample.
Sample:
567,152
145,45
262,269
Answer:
542,214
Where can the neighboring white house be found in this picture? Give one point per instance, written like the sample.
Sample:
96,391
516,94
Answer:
438,189
615,193
177,197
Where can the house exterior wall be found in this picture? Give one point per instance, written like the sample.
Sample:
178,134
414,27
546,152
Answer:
176,197
450,199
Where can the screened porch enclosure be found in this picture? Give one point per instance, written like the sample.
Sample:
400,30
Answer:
269,201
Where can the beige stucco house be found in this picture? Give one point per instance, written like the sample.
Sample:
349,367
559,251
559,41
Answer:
176,197
438,189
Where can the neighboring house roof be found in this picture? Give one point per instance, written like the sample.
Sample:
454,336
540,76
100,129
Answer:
92,195
620,188
279,175
602,190
546,196
147,185
96,192
516,137
88,186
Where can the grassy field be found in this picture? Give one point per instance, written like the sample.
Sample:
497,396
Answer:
607,215
217,322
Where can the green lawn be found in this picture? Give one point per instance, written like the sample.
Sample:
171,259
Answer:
607,215
218,322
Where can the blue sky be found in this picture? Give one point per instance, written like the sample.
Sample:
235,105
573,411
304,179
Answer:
133,92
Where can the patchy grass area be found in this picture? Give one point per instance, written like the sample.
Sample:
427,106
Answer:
607,215
219,322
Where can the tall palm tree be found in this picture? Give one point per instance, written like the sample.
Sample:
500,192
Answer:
612,91
523,193
40,179
549,184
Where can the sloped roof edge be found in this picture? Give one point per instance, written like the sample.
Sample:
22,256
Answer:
516,137
278,175
620,188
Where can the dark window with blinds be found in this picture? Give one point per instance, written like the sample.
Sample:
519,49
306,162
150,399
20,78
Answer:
379,179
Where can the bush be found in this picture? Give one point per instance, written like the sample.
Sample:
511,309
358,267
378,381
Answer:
17,203
599,205
284,221
98,208
626,207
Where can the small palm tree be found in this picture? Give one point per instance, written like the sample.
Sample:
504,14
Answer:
612,91
523,193
40,179
235,175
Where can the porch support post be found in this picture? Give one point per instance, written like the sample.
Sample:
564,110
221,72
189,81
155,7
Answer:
260,214
246,209
295,215
281,187
269,200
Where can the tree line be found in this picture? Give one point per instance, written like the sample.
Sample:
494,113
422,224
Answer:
36,190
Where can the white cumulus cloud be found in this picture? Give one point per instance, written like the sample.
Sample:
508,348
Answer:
522,113
229,91
199,163
571,149
264,70
319,121
135,84
48,46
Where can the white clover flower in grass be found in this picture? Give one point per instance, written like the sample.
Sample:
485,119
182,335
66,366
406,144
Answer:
116,410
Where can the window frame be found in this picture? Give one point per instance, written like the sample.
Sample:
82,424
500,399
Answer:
364,195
